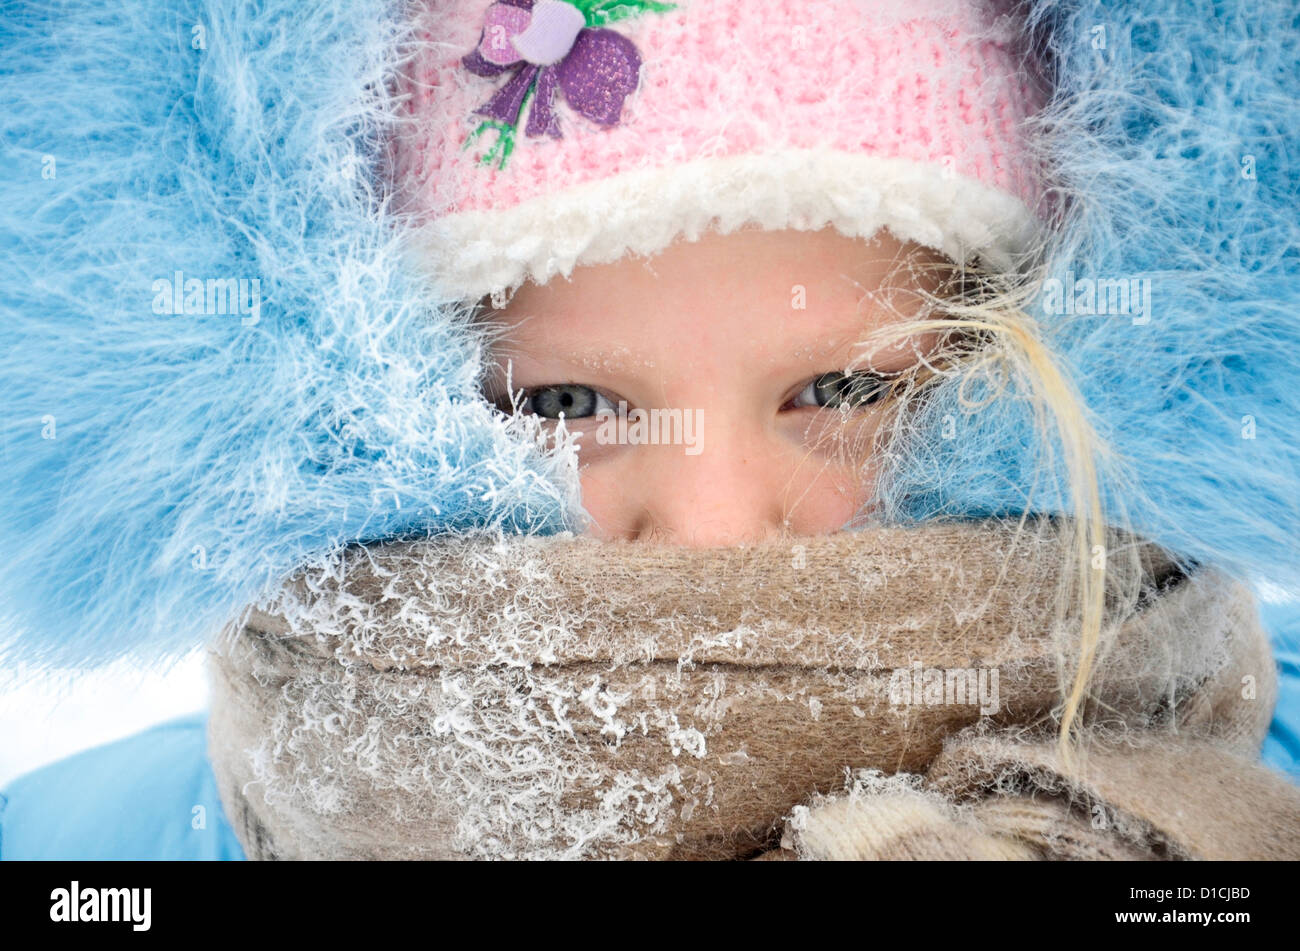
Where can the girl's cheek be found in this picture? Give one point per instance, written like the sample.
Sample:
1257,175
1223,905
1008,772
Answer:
835,438
592,449
830,499
833,471
606,503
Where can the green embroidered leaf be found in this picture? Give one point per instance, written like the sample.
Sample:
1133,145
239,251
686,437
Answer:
603,12
505,143
501,148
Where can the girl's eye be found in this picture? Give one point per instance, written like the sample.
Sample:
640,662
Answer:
573,400
842,390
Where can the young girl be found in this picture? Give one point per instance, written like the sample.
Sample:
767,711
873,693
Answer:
848,564
779,226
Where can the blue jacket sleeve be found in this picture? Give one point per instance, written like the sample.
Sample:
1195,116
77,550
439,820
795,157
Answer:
149,796
1282,745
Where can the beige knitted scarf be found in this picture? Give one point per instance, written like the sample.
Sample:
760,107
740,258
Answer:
889,693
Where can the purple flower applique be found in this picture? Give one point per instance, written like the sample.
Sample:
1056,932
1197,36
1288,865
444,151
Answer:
554,45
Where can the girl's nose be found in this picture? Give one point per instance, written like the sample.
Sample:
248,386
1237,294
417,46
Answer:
726,495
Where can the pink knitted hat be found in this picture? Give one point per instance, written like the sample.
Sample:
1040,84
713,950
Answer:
544,134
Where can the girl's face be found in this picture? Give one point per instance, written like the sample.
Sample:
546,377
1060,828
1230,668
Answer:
742,343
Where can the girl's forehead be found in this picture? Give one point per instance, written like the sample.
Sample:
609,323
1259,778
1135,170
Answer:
786,291
797,271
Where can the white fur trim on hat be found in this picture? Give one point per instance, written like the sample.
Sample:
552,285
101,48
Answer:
476,253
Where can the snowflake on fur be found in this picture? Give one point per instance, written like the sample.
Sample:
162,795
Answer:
555,46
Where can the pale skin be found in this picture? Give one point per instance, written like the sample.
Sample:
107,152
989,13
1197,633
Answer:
716,326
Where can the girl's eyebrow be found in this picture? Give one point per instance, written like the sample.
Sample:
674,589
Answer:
851,350
612,360
843,347
884,360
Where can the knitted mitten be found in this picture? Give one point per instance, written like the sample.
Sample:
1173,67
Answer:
896,820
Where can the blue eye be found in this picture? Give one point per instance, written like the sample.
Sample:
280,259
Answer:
573,400
842,390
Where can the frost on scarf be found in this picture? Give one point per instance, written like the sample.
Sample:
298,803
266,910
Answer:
516,697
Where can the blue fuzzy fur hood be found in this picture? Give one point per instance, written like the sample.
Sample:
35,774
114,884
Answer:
160,469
